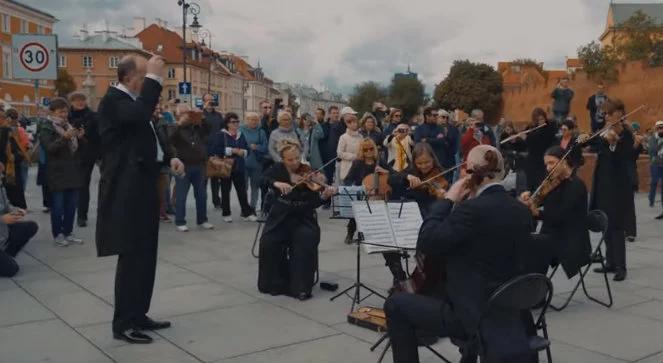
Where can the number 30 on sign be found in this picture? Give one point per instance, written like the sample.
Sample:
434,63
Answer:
35,56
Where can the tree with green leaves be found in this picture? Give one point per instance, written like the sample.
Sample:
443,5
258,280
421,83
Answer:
365,94
635,39
64,84
407,94
599,62
469,86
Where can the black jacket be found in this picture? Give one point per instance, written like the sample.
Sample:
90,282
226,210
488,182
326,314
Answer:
63,168
128,210
565,220
190,142
482,240
537,143
89,121
215,121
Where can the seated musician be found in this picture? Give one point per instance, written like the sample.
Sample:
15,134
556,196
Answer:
365,164
479,238
564,237
289,243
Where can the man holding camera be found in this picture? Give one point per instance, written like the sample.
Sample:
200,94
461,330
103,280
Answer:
477,134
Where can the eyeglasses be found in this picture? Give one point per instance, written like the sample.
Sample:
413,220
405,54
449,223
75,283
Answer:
402,131
369,149
233,122
444,116
397,115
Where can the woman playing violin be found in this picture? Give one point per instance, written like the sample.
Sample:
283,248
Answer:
564,237
292,234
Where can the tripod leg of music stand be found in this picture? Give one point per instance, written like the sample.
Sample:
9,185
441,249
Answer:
342,292
384,352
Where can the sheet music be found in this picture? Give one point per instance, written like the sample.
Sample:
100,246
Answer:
381,225
406,227
342,202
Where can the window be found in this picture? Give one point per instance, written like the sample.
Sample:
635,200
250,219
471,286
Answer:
62,61
5,23
171,94
87,61
6,63
171,73
40,29
113,61
24,26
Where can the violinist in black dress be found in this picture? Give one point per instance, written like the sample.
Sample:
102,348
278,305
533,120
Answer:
289,243
562,207
538,142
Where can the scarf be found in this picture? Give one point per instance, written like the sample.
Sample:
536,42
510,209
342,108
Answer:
61,126
401,156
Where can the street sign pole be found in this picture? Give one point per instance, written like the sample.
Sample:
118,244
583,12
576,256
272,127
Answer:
35,58
36,96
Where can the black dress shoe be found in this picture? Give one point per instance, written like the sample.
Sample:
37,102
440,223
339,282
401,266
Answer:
149,324
303,296
133,336
596,258
607,269
620,275
659,217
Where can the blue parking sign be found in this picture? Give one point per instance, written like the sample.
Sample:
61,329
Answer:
45,101
184,88
199,102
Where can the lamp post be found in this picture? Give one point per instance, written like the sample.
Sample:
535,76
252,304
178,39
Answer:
202,34
193,9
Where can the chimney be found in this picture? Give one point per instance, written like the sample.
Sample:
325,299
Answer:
139,24
84,33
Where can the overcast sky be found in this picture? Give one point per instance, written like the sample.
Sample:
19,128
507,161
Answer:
340,43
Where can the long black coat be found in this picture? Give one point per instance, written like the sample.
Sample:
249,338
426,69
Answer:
537,143
482,240
89,121
128,211
564,219
612,189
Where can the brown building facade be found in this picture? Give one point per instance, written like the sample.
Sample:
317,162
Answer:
16,18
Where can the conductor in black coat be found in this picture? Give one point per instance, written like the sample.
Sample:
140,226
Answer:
128,211
481,239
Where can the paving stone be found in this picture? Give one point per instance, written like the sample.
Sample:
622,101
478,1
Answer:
80,308
19,307
101,335
238,330
47,341
157,352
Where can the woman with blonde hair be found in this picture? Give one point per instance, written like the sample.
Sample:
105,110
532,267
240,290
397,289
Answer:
289,243
368,127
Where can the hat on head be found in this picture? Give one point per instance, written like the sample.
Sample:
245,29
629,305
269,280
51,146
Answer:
659,123
347,110
442,112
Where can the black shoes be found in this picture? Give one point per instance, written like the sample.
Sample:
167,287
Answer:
133,336
620,275
348,239
659,217
630,238
149,324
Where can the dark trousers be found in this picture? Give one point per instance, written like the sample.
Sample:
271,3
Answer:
656,177
238,179
193,177
45,196
393,262
15,192
215,184
615,248
63,210
134,283
288,258
84,192
19,235
330,169
409,315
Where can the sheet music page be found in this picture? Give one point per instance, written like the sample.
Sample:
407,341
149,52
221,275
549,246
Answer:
406,227
375,225
342,202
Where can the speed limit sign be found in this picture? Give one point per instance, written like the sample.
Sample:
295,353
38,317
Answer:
34,56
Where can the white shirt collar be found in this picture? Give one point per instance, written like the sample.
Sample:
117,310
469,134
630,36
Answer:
124,89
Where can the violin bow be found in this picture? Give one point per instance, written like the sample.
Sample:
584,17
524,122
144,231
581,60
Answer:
524,132
427,181
598,132
306,177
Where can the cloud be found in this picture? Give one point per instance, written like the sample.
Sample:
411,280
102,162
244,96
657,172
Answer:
343,42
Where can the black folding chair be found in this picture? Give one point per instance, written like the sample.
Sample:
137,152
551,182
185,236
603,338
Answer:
423,342
597,222
525,292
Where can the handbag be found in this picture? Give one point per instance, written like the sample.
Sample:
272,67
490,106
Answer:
220,167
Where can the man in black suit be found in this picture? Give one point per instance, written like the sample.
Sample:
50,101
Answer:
481,239
128,211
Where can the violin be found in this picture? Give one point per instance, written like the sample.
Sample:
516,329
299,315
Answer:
377,185
306,177
436,184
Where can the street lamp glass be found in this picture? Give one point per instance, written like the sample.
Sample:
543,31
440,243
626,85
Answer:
195,26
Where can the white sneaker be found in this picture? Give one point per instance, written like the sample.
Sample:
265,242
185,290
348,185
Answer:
251,218
206,225
228,219
183,228
72,239
60,241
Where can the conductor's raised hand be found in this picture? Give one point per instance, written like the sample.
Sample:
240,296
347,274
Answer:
156,65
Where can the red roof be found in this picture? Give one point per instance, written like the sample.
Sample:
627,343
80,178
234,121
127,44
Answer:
154,36
573,63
